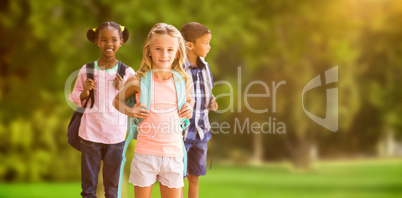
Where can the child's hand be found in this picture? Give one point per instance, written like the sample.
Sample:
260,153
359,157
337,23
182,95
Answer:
213,105
140,111
186,111
118,82
89,85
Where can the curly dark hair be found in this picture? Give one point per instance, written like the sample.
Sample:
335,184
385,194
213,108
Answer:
92,34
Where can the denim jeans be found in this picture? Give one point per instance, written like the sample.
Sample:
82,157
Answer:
91,155
197,156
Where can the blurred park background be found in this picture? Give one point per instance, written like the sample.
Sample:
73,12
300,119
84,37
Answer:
254,43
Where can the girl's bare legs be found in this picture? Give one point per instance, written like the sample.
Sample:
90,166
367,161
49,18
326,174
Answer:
192,186
182,189
167,192
142,192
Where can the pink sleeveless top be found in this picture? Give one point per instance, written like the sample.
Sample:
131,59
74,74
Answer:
160,133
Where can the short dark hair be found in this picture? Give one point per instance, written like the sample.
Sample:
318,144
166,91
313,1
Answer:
92,34
193,30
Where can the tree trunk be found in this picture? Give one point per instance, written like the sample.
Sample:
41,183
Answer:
387,144
303,153
258,148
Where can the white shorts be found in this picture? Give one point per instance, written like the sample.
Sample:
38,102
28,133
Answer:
147,169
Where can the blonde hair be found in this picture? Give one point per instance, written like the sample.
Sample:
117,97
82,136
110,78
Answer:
163,29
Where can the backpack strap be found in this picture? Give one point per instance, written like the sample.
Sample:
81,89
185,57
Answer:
145,98
146,88
90,75
121,70
130,136
180,85
132,123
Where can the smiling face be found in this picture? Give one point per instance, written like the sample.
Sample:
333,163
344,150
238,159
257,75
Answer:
163,50
109,41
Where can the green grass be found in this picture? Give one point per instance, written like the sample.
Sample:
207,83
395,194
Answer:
329,179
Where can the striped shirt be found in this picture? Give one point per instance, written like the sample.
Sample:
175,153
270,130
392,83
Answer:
202,94
102,123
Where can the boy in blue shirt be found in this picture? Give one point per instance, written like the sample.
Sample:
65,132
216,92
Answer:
197,38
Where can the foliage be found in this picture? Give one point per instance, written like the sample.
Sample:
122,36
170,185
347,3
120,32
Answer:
269,40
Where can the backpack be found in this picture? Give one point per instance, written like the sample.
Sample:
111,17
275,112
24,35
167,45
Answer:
73,127
145,98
